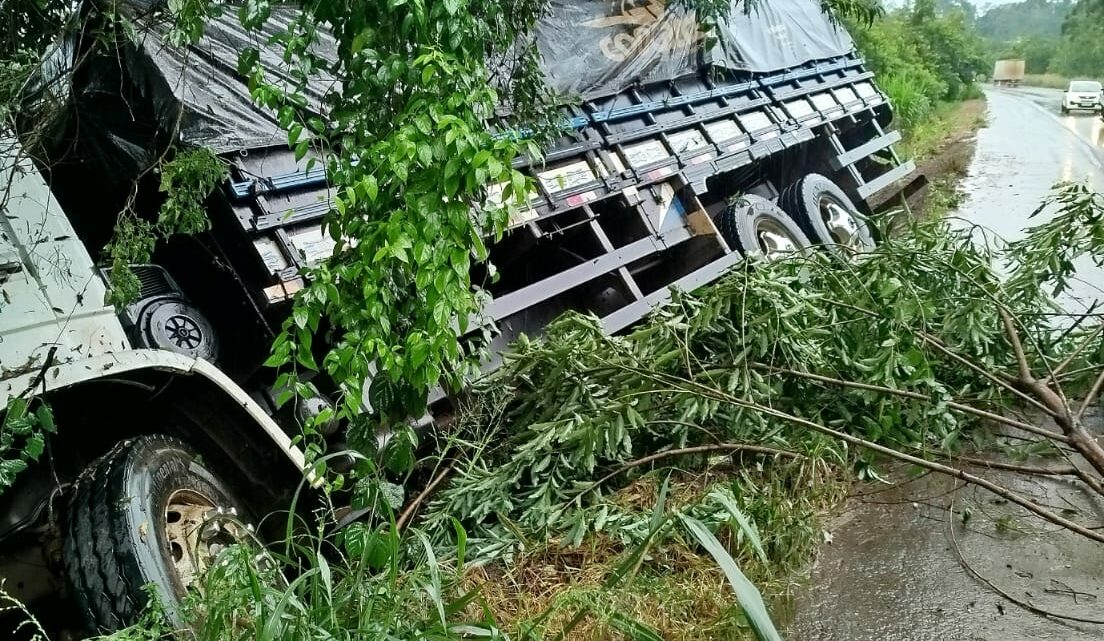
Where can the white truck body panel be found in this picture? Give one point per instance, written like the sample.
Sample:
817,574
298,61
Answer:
51,298
52,302
120,363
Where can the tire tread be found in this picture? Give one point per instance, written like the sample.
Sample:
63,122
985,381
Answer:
99,556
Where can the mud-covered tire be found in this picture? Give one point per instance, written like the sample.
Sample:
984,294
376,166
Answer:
115,540
806,201
739,225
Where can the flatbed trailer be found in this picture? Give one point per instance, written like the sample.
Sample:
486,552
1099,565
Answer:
626,203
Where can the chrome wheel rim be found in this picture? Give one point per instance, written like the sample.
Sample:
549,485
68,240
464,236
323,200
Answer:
841,224
774,239
196,532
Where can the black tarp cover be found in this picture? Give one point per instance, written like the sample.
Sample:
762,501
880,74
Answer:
594,48
591,48
202,83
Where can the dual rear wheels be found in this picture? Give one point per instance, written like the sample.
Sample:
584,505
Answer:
812,211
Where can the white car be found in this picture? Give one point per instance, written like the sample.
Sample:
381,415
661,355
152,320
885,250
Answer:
1082,94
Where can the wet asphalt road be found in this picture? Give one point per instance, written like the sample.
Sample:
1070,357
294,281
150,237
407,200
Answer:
1027,147
892,572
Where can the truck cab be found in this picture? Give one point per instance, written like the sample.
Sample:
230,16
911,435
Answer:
150,439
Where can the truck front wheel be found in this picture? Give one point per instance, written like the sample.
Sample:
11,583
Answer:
146,513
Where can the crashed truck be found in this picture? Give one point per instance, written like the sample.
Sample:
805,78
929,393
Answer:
675,163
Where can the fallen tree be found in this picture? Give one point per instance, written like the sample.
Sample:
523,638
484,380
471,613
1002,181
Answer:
905,353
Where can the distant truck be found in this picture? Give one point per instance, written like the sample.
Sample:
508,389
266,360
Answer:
677,162
1008,73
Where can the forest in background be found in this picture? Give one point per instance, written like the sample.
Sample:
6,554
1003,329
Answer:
929,53
1061,37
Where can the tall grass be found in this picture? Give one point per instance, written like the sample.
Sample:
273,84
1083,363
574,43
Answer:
368,582
1047,80
914,97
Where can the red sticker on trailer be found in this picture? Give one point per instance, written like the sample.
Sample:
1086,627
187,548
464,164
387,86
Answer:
578,199
658,173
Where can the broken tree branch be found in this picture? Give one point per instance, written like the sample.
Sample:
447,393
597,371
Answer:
1012,467
1094,392
697,449
1003,381
1072,355
409,511
967,409
999,490
977,369
1085,444
1017,346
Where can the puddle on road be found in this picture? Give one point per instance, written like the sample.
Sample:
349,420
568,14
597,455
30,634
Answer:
892,573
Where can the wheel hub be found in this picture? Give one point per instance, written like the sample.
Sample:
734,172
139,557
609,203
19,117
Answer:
841,224
196,531
774,240
184,332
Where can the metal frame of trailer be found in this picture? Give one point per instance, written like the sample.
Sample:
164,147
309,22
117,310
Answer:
648,154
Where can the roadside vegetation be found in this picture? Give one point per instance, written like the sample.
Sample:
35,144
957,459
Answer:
602,487
926,56
646,486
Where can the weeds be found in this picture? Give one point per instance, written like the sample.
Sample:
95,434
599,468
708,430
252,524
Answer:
27,626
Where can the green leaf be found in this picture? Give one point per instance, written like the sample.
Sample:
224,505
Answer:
285,116
9,469
461,544
452,184
370,186
284,396
306,359
247,59
295,132
301,150
746,526
748,596
34,447
633,629
306,339
17,409
45,419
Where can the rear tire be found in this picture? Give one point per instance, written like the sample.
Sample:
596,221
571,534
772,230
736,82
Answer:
118,535
826,214
753,225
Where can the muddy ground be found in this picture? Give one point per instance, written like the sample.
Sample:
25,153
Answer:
906,558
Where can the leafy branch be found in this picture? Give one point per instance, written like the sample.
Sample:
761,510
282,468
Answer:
187,181
23,434
906,353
